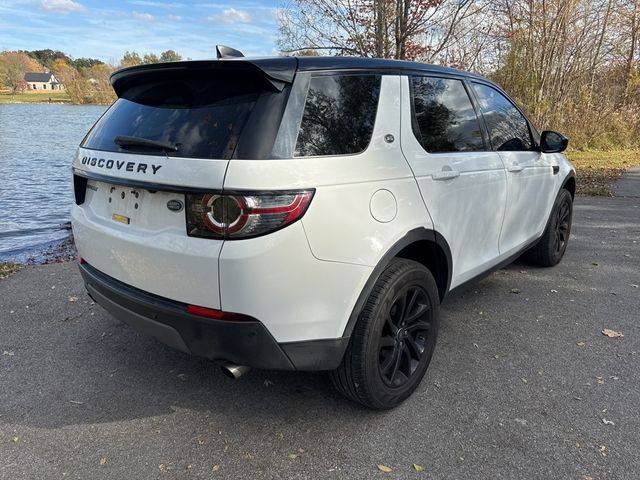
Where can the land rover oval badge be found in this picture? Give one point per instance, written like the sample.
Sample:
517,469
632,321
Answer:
175,205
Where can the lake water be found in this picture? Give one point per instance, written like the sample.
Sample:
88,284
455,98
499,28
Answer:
37,143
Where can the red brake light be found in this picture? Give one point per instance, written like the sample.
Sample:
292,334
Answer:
235,216
217,314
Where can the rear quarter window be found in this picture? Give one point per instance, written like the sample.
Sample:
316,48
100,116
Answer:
339,115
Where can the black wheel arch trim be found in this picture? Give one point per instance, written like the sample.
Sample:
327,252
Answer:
570,176
413,236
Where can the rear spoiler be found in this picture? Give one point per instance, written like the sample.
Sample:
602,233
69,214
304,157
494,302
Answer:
277,71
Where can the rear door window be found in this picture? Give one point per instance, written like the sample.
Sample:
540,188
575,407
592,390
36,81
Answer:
339,115
444,118
202,116
508,128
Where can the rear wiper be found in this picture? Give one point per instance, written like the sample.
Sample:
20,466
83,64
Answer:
126,141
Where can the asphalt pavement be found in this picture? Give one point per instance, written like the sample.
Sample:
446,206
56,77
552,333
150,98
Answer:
523,384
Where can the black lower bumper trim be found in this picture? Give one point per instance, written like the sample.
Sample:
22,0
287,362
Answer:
241,342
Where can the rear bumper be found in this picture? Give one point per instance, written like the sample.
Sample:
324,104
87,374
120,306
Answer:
242,342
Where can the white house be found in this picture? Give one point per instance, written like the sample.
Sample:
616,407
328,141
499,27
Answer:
42,81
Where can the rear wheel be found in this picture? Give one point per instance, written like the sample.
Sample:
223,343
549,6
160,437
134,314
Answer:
393,341
551,247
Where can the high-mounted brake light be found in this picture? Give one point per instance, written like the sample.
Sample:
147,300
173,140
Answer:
235,216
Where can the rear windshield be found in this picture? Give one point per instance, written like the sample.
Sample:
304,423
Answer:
203,117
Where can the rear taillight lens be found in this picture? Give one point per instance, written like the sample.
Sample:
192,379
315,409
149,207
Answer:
240,215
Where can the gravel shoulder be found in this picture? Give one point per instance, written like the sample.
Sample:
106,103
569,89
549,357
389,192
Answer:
522,385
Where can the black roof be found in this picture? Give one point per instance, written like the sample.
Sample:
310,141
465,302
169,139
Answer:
37,77
278,70
375,64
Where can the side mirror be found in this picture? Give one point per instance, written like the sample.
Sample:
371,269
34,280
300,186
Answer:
553,142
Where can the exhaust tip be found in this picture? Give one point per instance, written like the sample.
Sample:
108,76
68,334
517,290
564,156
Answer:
234,371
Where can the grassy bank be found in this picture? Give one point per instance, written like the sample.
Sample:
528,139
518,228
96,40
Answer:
597,170
8,269
47,96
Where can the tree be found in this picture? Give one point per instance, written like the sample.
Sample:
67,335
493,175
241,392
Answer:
401,29
13,66
170,56
130,59
150,58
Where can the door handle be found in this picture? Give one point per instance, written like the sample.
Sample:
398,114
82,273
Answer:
446,175
515,168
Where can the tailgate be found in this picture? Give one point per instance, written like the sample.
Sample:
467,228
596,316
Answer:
137,235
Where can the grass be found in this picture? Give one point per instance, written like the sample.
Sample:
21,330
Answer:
597,170
8,269
40,96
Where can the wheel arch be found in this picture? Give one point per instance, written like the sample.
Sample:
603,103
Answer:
569,183
422,245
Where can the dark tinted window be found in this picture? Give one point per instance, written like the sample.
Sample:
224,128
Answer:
445,120
339,115
509,130
203,117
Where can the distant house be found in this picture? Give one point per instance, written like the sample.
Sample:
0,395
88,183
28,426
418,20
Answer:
42,81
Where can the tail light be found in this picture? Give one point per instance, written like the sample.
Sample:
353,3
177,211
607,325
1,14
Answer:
244,215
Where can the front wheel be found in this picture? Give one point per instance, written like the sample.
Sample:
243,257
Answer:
394,338
551,247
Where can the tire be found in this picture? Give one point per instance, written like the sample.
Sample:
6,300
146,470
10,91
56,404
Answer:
386,358
551,247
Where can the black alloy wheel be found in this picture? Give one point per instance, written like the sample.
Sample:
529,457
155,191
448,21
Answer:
551,247
394,338
562,226
405,336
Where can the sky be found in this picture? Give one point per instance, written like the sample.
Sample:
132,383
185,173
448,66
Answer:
106,29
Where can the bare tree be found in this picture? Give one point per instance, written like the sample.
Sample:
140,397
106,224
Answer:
401,29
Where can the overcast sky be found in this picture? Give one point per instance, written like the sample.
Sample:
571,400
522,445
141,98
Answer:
106,29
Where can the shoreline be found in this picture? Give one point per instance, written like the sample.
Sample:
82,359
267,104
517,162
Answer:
57,251
55,102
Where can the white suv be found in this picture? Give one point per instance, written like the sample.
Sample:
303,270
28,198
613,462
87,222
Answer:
310,213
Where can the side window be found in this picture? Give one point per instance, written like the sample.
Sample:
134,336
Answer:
444,118
339,115
508,129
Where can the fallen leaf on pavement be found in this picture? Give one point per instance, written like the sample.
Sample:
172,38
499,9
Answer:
15,439
515,290
8,353
103,461
73,299
384,468
292,456
611,333
215,468
581,344
418,468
